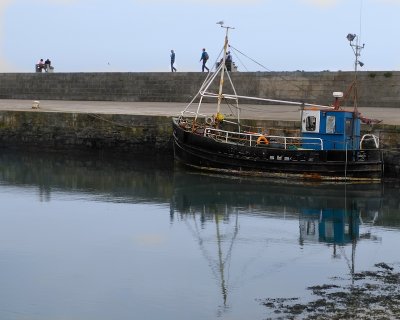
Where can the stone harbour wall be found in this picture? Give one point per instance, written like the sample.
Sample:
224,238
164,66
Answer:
64,131
376,89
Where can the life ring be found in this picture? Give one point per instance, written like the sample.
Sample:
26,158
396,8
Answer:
262,139
209,121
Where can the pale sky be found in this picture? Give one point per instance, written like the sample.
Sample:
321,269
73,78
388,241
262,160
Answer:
137,35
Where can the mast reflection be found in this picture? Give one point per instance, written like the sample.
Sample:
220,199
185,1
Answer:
216,244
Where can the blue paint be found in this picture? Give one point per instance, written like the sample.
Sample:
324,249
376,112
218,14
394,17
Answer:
338,130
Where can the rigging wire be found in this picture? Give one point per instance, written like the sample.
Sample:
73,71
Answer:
262,66
241,62
265,68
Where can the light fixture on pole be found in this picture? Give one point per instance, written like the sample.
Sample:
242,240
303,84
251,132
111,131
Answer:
356,49
355,46
351,37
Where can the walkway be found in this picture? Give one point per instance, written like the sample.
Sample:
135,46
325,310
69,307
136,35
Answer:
271,112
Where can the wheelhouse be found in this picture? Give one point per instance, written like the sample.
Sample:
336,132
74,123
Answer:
340,130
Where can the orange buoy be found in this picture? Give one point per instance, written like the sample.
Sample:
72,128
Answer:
262,139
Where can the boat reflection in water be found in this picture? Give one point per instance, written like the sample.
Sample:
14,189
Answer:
337,220
335,226
214,208
337,223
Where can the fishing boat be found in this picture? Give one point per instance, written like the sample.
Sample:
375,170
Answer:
328,146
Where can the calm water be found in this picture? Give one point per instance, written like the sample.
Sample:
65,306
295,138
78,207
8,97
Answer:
91,238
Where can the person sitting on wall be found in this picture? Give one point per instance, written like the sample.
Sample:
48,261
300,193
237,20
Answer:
228,61
40,66
48,66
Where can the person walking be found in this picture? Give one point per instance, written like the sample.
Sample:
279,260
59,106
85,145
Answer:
204,57
173,69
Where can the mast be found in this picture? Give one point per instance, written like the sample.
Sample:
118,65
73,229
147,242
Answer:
357,52
221,81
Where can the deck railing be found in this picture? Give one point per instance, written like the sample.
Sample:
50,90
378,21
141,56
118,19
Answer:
369,137
253,139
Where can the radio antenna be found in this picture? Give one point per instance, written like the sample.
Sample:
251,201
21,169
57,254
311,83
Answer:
360,26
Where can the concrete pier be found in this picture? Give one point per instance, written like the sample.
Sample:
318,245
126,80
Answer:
388,115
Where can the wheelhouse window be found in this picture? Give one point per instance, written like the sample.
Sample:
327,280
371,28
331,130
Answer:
349,127
330,124
311,123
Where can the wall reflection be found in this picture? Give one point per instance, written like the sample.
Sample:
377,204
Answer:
155,179
111,177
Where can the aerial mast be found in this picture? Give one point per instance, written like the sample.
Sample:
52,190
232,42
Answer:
357,52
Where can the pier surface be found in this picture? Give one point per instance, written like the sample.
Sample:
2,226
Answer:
389,116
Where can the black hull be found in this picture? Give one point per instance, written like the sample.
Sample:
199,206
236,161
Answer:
207,154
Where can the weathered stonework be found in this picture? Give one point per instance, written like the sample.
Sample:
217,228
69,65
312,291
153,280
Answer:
48,130
376,89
